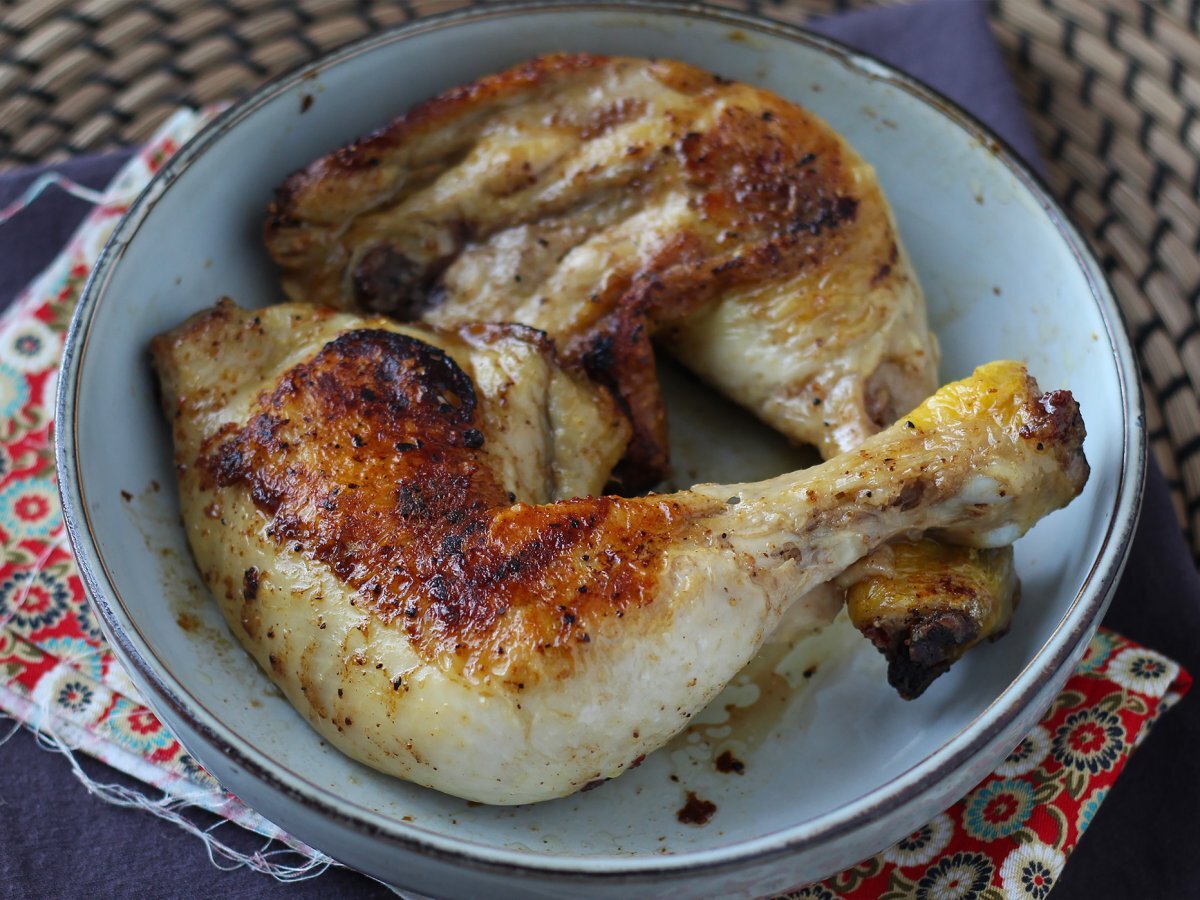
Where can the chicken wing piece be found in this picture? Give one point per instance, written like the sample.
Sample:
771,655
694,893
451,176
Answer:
605,200
925,603
346,502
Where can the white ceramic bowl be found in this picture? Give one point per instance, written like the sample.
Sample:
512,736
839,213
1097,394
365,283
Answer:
841,769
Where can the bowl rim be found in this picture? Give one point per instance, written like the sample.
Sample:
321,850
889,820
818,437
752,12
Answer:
1076,624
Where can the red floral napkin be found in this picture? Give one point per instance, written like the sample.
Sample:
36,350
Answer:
1009,837
57,674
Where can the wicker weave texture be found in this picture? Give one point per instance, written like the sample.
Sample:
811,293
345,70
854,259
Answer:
1112,88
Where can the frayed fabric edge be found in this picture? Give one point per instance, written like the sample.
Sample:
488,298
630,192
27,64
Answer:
64,738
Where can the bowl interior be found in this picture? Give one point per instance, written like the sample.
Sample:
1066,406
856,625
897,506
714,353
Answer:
1001,279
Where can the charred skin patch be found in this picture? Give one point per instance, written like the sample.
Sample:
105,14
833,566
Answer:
1053,419
779,182
618,355
369,458
250,580
385,280
911,493
924,648
1054,424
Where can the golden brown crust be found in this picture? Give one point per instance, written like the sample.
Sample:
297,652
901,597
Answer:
368,457
446,108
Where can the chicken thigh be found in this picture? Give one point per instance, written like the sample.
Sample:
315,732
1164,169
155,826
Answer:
348,497
606,200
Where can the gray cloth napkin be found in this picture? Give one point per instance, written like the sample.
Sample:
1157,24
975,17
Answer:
58,842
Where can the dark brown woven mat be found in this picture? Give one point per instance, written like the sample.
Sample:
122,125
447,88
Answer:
1112,88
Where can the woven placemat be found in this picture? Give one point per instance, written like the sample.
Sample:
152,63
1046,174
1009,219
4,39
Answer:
1112,88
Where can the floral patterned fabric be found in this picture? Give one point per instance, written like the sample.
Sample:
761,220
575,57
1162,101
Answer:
56,672
1009,837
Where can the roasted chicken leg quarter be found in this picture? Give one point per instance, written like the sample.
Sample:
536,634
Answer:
347,498
607,200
